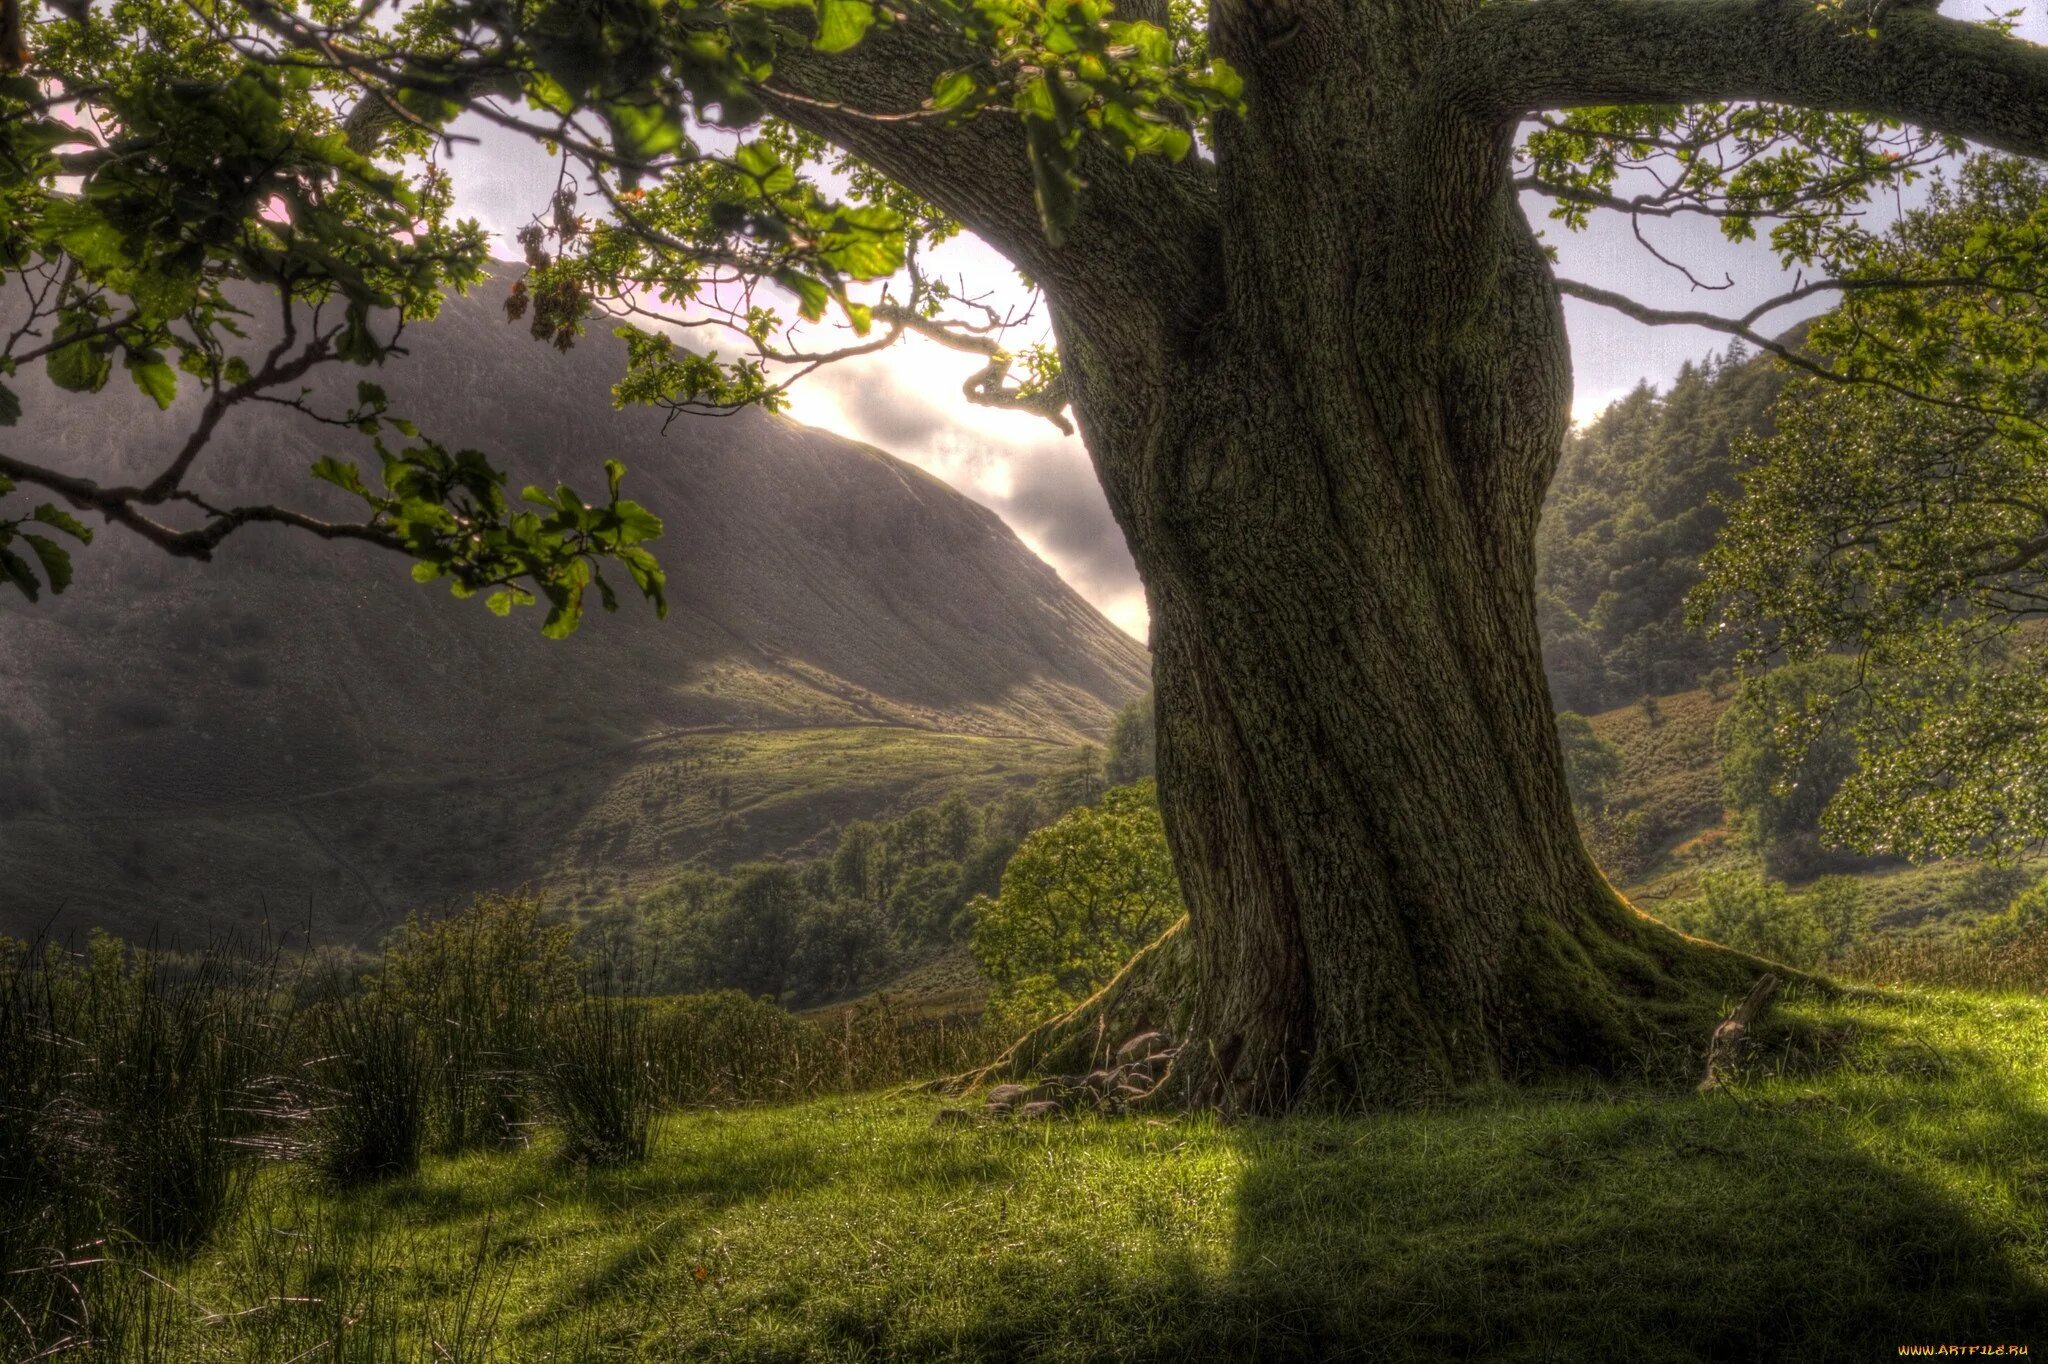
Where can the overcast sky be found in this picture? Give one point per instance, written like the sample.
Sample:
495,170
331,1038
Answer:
907,400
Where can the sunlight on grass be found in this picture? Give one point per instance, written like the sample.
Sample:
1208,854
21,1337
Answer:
1880,1176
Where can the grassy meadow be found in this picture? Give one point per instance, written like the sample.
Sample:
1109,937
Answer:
1879,1177
488,1150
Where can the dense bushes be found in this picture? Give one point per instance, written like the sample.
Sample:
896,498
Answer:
1746,910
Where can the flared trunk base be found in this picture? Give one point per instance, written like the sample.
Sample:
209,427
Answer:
1614,996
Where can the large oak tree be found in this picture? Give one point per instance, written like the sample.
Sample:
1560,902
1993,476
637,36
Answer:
1303,322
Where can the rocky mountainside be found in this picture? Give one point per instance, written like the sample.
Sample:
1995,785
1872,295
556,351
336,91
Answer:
299,729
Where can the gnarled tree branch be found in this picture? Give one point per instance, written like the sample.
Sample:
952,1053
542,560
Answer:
1145,230
127,506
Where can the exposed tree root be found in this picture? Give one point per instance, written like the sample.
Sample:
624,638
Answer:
1616,995
1153,993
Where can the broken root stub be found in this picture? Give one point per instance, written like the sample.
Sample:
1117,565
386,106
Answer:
1725,1048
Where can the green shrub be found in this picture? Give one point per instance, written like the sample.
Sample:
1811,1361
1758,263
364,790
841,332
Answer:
1751,913
1077,900
1840,910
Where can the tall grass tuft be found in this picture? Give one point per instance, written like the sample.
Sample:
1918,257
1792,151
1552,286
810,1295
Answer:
369,1098
599,1083
479,983
129,1104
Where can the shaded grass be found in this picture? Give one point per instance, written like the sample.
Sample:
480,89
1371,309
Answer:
1880,1176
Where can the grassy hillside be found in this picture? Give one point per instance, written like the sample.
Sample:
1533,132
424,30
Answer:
1877,1180
1670,769
299,731
355,859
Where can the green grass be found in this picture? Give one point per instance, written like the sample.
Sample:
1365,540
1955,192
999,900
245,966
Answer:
1880,1178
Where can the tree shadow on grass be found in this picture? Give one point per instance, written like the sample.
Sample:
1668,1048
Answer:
1832,1224
1862,1190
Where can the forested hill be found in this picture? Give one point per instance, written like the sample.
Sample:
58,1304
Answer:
300,723
1628,517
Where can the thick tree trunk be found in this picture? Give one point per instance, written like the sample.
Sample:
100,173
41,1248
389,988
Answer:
1325,384
1331,488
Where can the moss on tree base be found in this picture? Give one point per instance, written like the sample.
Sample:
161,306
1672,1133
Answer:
1614,996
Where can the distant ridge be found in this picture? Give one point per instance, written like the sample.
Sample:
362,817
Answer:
285,723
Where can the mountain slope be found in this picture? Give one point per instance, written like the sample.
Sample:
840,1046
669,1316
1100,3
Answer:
300,727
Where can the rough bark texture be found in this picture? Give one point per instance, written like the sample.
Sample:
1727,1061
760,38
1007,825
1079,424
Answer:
1325,382
1332,494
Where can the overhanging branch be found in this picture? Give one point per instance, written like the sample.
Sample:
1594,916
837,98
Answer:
129,507
1514,58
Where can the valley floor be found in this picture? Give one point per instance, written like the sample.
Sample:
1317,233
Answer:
1880,1179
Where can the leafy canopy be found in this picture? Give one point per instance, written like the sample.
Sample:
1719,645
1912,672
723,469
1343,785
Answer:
173,173
1902,520
171,169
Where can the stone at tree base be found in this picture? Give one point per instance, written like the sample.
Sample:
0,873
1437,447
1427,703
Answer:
1039,1109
